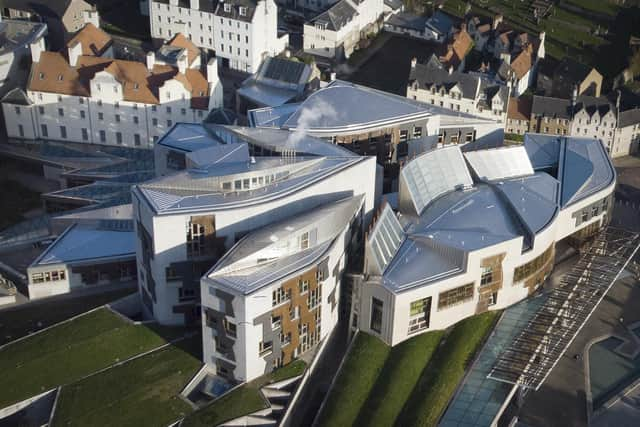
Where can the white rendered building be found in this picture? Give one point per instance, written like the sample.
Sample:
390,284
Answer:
88,98
335,32
83,257
275,294
477,231
187,220
241,33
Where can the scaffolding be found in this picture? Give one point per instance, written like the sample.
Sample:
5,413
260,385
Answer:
535,351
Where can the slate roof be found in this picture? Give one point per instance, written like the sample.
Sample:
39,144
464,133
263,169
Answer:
519,108
16,96
234,13
440,22
551,107
408,20
568,73
337,16
629,118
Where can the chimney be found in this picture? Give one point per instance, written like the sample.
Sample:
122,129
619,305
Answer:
497,20
506,57
332,76
450,69
212,71
194,4
183,63
91,17
151,60
414,62
74,51
36,49
287,53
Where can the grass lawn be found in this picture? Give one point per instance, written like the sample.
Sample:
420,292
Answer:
400,374
25,319
442,375
143,391
243,400
16,200
69,351
357,377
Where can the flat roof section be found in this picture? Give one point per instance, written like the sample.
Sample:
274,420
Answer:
79,243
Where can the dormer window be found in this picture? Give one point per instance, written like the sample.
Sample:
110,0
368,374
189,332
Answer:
227,7
59,77
41,76
243,11
136,86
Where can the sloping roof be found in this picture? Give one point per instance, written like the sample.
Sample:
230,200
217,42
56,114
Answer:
222,116
440,22
457,50
41,7
234,11
337,16
551,107
629,118
93,40
523,62
16,34
519,108
284,70
16,96
393,4
408,20
80,243
568,73
54,74
179,40
590,104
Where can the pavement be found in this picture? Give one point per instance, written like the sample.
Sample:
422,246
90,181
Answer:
623,413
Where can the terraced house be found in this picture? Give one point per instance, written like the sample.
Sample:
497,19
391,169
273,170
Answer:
477,231
84,95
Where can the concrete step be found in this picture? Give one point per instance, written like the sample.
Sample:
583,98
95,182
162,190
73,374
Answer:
284,383
274,393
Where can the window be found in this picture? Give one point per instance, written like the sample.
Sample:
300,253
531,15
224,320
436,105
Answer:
61,112
276,322
103,136
265,347
82,114
186,294
285,339
63,132
314,298
417,132
117,118
229,328
41,110
85,134
154,108
304,241
595,210
528,269
294,312
404,135
45,131
21,130
119,137
493,299
136,140
100,116
585,215
487,276
135,120
376,315
280,296
169,123
154,121
17,110
183,111
419,315
455,296
303,286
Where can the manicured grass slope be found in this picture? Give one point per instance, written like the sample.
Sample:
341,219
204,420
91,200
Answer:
243,400
439,380
357,377
67,352
397,379
143,391
24,319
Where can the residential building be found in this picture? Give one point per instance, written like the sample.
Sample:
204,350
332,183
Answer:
63,17
594,118
373,122
19,37
186,221
438,27
559,79
336,32
518,116
242,33
627,133
551,116
457,48
480,237
83,257
81,97
278,81
275,294
436,85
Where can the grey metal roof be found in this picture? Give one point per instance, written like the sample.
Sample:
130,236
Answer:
349,106
188,137
551,107
393,4
543,150
80,243
274,117
234,12
500,163
337,16
408,20
585,169
222,116
285,70
16,96
266,95
274,251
